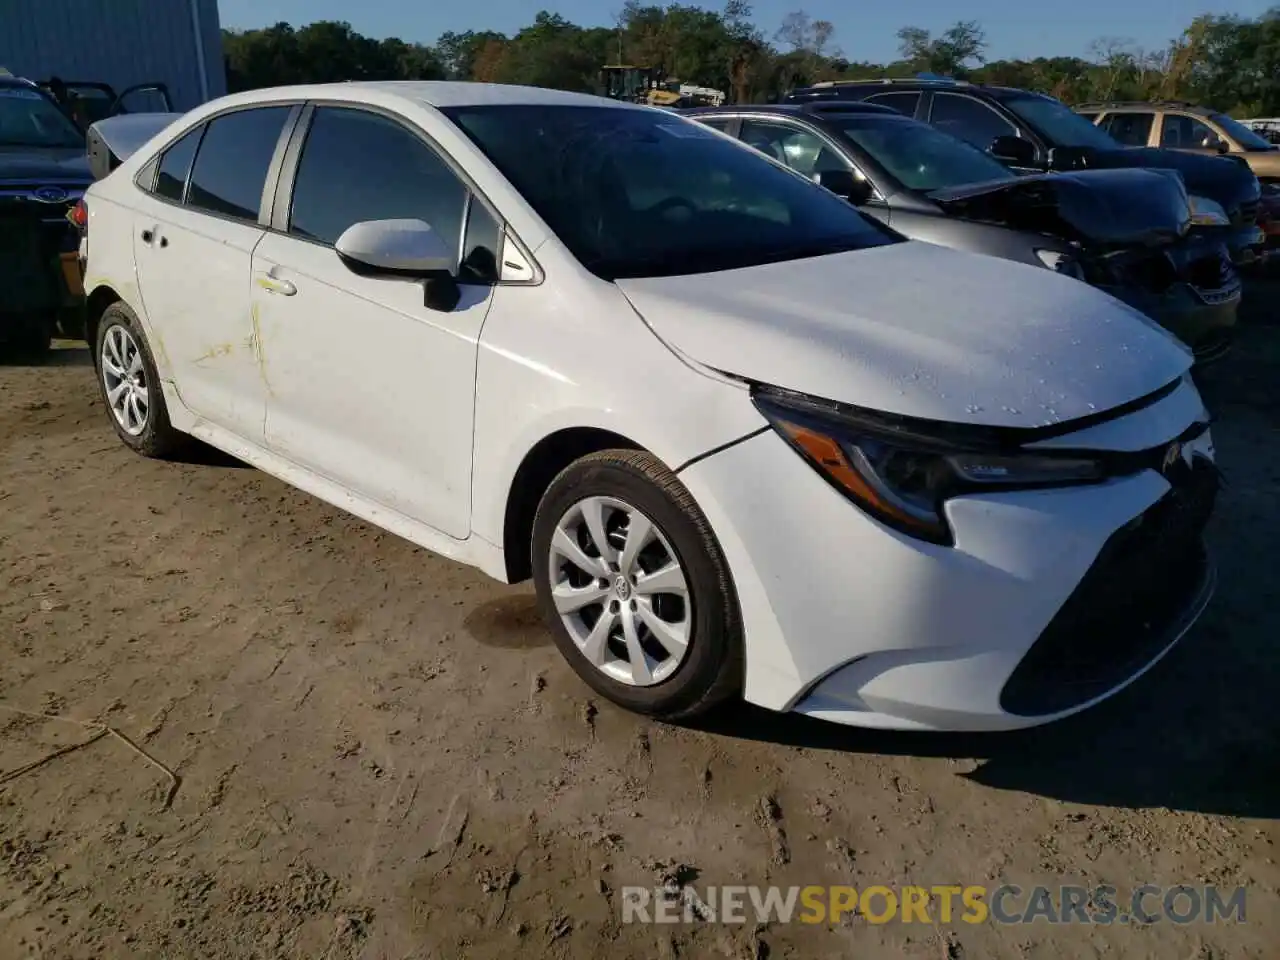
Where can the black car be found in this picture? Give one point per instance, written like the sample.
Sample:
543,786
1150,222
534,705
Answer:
1126,231
43,174
1031,132
88,101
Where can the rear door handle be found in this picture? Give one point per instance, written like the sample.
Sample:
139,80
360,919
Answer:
273,285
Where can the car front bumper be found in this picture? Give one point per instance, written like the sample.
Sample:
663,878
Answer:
38,251
1246,245
1203,320
1039,610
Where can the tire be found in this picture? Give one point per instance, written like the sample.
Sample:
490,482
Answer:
629,487
71,322
156,437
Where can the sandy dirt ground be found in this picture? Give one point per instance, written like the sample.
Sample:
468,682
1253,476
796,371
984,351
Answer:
381,755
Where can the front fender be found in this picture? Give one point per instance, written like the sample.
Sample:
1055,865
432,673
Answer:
720,417
543,368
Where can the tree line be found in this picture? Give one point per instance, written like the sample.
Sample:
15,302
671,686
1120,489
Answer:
1230,63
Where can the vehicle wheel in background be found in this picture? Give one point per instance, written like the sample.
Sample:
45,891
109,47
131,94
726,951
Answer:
635,588
131,387
71,322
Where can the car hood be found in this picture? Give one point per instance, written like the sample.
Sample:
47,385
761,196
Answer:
1263,163
1109,207
1226,180
44,163
918,330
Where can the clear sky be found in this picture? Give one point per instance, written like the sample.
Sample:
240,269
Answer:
864,28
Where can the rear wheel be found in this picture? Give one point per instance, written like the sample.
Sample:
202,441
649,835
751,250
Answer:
635,587
131,387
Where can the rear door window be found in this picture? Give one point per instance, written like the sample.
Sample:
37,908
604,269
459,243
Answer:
232,164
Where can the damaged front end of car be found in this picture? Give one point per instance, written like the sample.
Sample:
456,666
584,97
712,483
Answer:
1134,233
1191,288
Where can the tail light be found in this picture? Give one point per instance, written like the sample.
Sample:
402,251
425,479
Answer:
79,216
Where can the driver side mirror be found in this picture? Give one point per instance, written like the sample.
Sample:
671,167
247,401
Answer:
844,184
1070,158
1214,142
408,249
1013,150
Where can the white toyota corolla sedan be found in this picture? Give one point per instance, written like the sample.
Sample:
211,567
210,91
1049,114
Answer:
746,441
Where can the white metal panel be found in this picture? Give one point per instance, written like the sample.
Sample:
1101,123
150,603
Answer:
121,42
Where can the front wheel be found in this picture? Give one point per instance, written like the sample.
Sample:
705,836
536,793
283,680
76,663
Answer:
635,588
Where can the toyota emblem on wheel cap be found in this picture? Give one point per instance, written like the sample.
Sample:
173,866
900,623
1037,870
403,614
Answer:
49,195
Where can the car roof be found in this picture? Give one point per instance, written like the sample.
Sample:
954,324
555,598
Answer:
1121,106
891,83
809,109
434,93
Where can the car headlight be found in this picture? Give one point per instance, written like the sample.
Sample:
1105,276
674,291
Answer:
1061,262
1208,212
902,472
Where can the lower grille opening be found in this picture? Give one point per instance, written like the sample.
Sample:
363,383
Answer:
1213,345
1247,213
1121,614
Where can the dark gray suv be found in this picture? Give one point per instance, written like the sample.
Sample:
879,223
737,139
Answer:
1033,132
1127,231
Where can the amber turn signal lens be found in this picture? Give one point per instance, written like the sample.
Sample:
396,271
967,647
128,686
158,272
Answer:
829,457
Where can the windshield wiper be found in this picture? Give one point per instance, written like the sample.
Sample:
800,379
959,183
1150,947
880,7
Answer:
676,262
804,251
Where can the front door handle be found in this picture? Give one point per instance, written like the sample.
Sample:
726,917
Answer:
273,285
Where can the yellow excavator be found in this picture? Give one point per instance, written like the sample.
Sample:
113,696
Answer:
637,85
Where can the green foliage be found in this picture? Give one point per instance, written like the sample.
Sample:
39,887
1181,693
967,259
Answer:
947,54
1228,62
321,52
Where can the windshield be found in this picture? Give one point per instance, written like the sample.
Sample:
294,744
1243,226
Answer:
919,156
30,119
638,193
1059,124
1241,134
